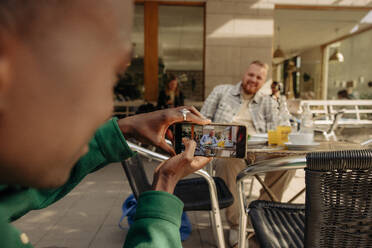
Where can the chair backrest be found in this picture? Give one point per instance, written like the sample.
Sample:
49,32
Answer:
336,120
136,175
339,199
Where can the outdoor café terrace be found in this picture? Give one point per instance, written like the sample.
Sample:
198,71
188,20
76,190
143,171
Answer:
315,51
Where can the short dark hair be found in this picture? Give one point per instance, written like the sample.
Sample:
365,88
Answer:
277,85
16,13
261,64
19,16
171,77
343,94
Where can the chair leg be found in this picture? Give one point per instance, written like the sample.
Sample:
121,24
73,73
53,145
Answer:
251,188
326,136
243,231
218,227
333,135
213,224
215,208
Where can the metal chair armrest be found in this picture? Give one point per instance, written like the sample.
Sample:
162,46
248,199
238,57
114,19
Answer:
366,143
275,164
212,186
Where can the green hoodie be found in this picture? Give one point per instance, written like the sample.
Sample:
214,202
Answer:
158,216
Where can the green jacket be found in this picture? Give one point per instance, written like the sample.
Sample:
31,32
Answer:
158,215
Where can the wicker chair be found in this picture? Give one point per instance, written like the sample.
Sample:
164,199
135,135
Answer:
338,207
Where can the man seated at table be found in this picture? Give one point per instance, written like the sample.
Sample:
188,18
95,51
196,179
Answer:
209,139
243,103
208,142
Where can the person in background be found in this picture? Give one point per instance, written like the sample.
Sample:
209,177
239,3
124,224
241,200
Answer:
209,139
244,104
343,95
171,96
51,60
276,89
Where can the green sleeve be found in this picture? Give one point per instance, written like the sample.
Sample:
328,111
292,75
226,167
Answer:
157,222
108,145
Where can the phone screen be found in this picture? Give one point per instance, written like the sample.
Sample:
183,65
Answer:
214,140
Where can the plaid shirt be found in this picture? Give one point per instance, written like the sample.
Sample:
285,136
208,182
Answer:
224,102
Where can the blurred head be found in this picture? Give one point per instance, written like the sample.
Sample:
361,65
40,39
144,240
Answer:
172,83
275,88
211,133
349,90
59,60
254,77
342,94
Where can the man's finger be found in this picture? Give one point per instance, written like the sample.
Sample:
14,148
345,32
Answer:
169,135
196,117
195,111
167,148
197,120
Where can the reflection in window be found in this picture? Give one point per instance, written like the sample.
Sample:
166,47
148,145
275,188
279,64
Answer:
181,47
130,85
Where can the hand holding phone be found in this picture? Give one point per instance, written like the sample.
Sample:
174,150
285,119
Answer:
213,140
168,173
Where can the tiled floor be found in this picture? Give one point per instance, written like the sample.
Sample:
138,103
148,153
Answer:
89,215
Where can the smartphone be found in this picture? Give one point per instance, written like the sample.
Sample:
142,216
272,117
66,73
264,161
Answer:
212,140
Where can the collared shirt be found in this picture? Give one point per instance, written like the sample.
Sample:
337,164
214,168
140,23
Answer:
243,116
209,140
225,101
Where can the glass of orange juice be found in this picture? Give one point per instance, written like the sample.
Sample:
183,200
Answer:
283,132
273,137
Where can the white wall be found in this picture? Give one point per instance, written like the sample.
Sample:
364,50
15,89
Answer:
239,31
357,66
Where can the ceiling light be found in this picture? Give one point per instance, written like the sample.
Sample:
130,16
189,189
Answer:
337,56
278,53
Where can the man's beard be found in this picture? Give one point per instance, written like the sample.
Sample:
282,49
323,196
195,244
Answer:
250,88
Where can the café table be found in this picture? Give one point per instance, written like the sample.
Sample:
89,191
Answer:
257,154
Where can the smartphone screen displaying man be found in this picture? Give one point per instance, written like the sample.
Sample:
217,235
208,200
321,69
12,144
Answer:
215,140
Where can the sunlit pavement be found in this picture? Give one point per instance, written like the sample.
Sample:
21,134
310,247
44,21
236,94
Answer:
89,215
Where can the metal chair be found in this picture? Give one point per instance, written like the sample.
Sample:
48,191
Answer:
204,193
329,132
338,207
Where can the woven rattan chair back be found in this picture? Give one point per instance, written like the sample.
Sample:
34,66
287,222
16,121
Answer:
339,199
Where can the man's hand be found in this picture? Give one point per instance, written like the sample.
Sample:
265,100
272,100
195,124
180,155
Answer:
168,173
151,127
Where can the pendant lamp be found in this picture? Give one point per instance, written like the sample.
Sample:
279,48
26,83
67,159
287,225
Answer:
278,53
337,57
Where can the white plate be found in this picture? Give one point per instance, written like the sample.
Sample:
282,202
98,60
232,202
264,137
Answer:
256,142
301,146
259,136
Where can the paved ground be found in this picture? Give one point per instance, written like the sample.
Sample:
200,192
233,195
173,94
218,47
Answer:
89,215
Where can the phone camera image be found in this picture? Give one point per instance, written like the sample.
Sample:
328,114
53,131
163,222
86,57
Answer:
219,140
